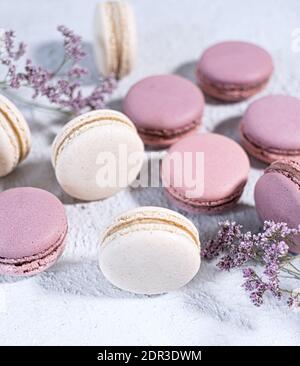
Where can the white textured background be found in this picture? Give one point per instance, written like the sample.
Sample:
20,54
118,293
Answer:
72,303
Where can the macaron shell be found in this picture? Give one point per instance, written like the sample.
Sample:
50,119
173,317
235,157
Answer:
277,198
18,124
9,149
150,262
102,117
163,102
165,140
79,164
34,220
235,62
115,38
154,214
105,46
273,122
226,167
199,207
229,93
263,154
34,264
129,39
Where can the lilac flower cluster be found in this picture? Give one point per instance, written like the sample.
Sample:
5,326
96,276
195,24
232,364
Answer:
61,89
268,248
294,300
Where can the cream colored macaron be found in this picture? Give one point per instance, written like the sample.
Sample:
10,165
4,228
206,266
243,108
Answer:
97,154
150,250
115,38
15,137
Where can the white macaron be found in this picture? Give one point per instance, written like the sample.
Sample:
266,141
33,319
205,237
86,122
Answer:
15,137
97,154
115,38
150,250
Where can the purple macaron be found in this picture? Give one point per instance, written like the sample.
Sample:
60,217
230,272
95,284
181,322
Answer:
270,128
205,173
33,229
234,70
164,108
277,196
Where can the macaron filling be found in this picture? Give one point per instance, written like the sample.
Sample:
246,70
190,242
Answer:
169,133
266,153
149,221
231,91
290,169
199,204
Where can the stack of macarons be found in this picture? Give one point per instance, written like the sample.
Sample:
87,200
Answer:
152,250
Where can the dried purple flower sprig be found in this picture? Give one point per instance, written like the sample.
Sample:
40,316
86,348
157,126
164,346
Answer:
62,90
268,248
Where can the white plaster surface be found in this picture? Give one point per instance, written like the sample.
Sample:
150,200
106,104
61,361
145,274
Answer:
72,303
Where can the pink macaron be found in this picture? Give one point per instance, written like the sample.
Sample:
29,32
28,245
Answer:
233,71
205,173
164,108
277,196
33,228
270,128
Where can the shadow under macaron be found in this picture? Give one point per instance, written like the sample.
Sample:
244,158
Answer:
37,173
188,71
82,278
116,105
229,127
147,190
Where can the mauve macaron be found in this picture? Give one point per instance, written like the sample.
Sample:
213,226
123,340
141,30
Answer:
270,128
33,229
211,184
164,108
234,70
277,196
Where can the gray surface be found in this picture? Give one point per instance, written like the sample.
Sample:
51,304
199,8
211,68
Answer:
72,303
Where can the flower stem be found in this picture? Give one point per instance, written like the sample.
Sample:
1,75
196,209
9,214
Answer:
61,65
295,268
292,273
285,290
23,100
